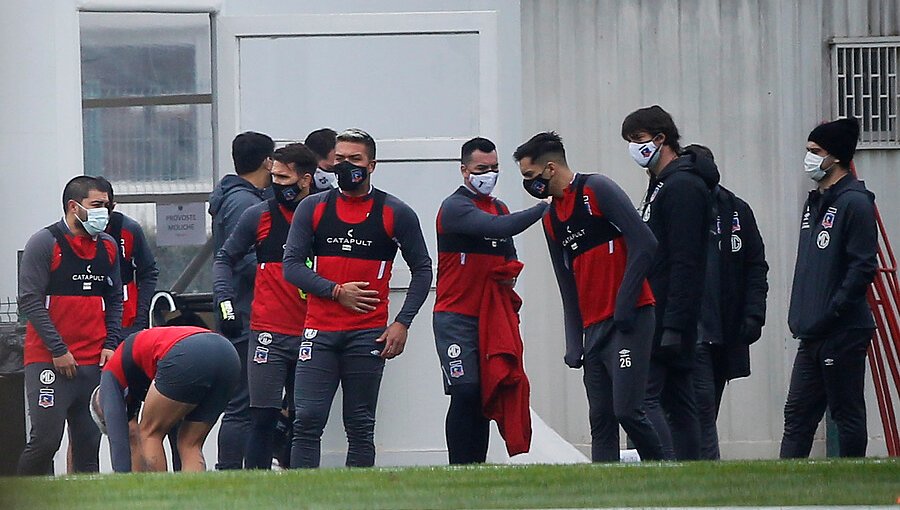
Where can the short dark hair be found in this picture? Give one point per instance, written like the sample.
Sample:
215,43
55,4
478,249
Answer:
249,150
105,185
653,120
700,150
79,188
356,135
476,144
321,142
541,148
304,160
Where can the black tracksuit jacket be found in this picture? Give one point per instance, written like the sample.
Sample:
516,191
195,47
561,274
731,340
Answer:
677,208
743,285
836,261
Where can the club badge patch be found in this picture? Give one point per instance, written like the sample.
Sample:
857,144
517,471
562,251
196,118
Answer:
453,351
736,223
828,220
48,377
305,353
264,338
309,334
45,398
736,243
261,355
456,369
823,239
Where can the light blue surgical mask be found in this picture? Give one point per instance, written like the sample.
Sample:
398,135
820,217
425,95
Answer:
812,165
96,221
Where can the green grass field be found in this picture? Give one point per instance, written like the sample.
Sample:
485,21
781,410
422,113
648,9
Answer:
762,483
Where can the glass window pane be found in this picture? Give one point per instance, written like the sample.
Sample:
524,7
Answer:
144,54
155,148
150,149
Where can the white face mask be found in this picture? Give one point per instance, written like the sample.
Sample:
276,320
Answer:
96,221
812,165
484,183
325,180
644,154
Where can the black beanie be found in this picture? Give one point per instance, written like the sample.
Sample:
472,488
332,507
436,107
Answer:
838,138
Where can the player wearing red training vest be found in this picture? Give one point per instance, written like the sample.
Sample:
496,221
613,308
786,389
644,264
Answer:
474,232
601,253
182,374
354,233
278,310
70,290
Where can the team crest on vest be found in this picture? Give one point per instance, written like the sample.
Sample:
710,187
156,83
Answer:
261,355
46,398
48,377
305,353
823,239
310,333
264,338
828,220
736,243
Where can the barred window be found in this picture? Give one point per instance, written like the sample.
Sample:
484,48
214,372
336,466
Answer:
866,87
147,101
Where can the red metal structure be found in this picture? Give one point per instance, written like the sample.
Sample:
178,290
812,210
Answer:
884,351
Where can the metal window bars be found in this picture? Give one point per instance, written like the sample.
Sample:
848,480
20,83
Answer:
9,311
865,86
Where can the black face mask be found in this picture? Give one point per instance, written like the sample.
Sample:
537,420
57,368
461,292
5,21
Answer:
350,177
539,187
286,194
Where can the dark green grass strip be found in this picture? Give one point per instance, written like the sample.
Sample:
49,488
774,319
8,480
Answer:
759,483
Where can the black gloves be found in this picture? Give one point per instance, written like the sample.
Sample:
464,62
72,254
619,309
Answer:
670,342
229,320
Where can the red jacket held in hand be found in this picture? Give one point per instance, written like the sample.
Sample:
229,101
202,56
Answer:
504,386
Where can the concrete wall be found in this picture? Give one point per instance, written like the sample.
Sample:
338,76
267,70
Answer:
749,79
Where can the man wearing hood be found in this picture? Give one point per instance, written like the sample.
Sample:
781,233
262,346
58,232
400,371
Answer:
677,209
279,308
836,262
734,303
252,155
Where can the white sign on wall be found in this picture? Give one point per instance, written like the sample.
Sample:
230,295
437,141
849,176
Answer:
181,224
